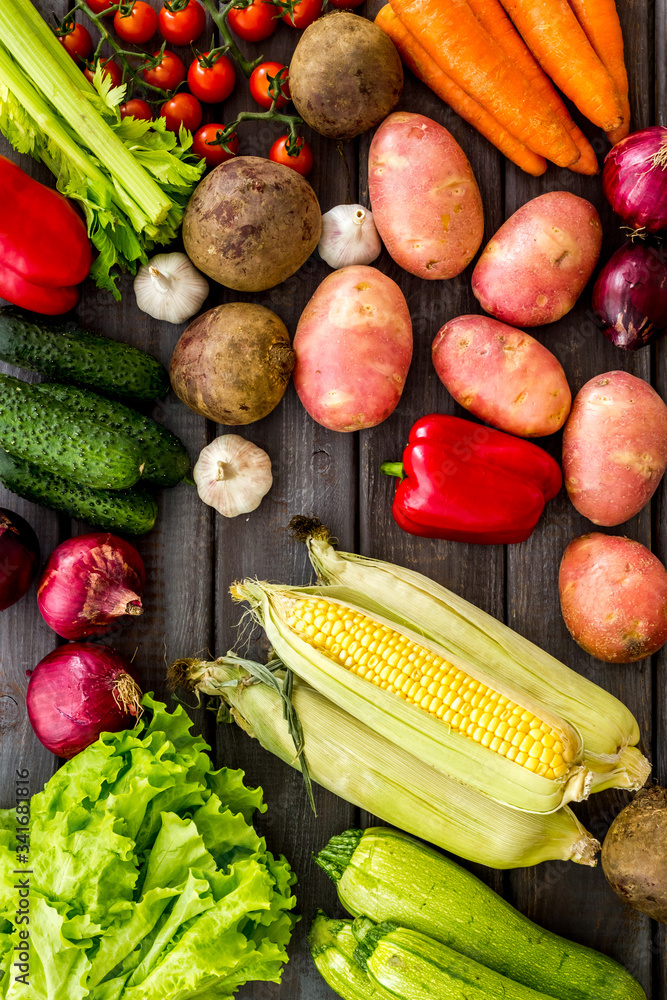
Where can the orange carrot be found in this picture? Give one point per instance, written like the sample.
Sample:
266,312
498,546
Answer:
599,19
464,50
491,15
428,71
554,36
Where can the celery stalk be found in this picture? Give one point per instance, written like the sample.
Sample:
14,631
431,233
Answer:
68,100
40,31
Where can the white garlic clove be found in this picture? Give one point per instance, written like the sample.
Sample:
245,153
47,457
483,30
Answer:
169,287
348,236
233,475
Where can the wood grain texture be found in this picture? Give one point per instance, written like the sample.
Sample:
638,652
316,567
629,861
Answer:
194,554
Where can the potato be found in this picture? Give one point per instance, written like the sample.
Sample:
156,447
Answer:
634,853
345,75
425,200
232,364
251,223
536,266
353,349
502,375
614,447
613,595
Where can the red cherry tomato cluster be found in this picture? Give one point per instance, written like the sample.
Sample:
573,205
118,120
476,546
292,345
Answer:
253,23
181,21
301,160
265,81
76,40
207,145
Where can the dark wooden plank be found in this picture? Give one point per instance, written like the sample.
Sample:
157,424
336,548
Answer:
577,902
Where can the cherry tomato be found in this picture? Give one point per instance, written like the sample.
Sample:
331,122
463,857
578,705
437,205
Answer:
135,21
302,161
182,109
259,84
109,68
168,73
77,42
101,7
253,23
304,13
213,154
136,108
181,21
211,83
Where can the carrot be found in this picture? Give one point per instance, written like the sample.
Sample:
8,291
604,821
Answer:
599,19
491,15
554,36
428,71
463,49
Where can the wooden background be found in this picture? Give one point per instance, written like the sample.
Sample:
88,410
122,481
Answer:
194,554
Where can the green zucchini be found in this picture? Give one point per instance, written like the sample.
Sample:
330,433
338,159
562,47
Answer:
386,875
412,966
167,460
81,358
130,511
332,945
43,431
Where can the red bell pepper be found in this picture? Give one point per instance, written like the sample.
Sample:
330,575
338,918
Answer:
44,247
470,483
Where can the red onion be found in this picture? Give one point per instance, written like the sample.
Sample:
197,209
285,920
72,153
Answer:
79,691
88,583
634,179
630,296
19,557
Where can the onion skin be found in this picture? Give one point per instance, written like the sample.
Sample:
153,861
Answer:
19,557
634,179
78,691
630,296
89,583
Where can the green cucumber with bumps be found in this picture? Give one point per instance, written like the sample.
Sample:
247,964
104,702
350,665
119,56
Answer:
44,432
78,357
132,512
167,460
388,876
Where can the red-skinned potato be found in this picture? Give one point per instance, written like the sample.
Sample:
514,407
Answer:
613,595
502,375
614,447
425,200
536,266
353,349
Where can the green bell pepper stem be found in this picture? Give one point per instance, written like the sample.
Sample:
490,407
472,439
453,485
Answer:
393,469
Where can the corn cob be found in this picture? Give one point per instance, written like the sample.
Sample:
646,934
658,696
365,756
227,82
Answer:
367,770
608,729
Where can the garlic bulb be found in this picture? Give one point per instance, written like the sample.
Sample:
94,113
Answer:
349,236
170,287
233,475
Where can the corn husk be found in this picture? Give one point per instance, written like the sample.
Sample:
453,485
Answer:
608,729
351,760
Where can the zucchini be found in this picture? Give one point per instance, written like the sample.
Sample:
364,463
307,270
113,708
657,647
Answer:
167,460
412,966
43,431
332,945
81,358
386,875
130,511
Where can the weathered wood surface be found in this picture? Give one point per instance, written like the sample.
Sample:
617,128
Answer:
193,554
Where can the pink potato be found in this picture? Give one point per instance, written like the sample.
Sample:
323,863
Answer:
614,447
613,595
425,200
353,348
536,266
502,375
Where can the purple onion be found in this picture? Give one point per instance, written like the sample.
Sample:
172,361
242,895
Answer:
634,179
630,296
19,557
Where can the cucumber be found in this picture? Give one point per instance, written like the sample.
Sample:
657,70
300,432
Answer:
81,358
43,431
167,460
130,511
386,875
412,966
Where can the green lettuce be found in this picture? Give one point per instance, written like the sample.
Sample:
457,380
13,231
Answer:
148,880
